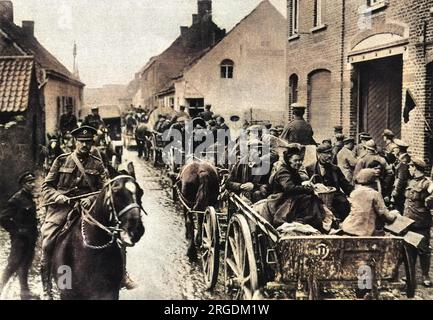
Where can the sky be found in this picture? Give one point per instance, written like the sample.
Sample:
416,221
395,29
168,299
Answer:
115,38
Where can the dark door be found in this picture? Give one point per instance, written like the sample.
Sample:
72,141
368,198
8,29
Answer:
381,97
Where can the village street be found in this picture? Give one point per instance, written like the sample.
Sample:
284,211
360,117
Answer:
158,262
322,110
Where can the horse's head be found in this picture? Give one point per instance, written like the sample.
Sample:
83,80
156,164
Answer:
124,196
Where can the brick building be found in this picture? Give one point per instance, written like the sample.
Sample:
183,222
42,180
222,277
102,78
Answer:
57,84
240,76
154,76
360,63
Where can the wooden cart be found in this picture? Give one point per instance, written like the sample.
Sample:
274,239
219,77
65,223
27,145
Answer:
258,261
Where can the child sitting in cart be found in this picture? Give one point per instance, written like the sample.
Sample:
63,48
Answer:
368,209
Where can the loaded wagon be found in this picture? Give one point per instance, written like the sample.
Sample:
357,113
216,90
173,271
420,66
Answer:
112,117
261,262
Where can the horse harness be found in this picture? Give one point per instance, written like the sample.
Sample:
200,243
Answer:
112,231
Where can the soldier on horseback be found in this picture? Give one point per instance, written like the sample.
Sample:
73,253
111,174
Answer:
72,175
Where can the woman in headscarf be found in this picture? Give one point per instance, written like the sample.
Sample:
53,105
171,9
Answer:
294,199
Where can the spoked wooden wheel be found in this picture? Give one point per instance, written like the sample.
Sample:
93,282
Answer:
240,268
210,247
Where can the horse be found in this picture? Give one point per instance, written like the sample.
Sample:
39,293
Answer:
51,151
91,246
198,188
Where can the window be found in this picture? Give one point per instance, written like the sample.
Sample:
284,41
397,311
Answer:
227,67
373,2
375,5
293,89
318,11
294,17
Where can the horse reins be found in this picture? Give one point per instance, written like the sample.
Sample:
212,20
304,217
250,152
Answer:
112,231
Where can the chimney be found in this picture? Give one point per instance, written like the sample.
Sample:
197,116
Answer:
29,28
183,30
7,11
204,10
195,19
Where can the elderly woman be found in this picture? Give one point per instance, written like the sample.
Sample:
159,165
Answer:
368,207
293,199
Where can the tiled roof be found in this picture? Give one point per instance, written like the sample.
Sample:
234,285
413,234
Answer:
33,47
15,78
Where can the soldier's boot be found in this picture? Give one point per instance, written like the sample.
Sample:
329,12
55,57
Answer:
2,286
46,281
26,293
7,274
425,269
127,281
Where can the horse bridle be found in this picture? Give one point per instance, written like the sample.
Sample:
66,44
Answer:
115,230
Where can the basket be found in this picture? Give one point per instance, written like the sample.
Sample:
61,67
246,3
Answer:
327,197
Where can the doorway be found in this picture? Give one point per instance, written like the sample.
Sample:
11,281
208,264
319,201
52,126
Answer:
380,97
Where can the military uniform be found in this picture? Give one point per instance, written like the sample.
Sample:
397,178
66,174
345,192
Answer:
65,179
360,150
19,219
401,180
346,161
68,123
419,202
298,131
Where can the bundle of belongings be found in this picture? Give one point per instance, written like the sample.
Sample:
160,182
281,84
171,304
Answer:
294,229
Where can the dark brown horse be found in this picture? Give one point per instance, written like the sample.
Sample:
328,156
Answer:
91,250
199,188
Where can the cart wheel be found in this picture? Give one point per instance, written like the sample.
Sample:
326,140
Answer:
154,157
210,247
409,266
240,269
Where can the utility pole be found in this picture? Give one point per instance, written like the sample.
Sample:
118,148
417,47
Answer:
75,70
